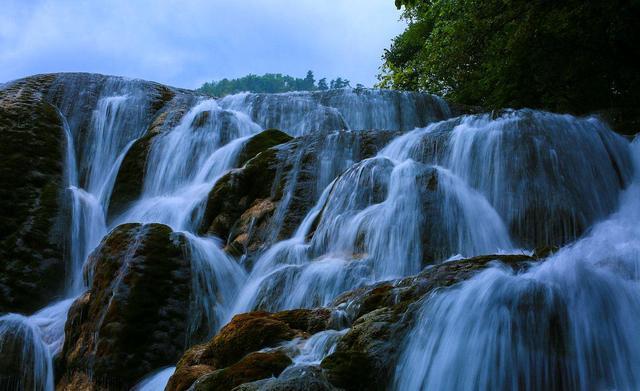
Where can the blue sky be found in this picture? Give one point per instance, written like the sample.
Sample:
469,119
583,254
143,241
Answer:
184,43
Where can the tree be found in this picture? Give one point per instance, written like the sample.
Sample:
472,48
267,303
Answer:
309,82
340,83
561,55
269,83
322,84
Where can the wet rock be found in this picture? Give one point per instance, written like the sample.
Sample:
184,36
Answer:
32,146
134,317
237,190
254,366
351,370
244,335
243,235
261,142
380,316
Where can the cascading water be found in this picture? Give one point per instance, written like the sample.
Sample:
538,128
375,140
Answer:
21,342
570,323
299,113
460,187
370,225
548,176
185,162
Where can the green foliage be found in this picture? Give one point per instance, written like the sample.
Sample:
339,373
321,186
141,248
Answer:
270,83
562,55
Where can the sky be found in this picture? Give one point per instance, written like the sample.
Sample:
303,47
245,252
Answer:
185,43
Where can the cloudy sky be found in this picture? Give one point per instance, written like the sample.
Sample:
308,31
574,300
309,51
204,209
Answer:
186,42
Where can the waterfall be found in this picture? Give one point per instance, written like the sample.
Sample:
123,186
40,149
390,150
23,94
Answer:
299,113
155,381
25,360
185,163
215,282
318,346
548,176
375,209
569,323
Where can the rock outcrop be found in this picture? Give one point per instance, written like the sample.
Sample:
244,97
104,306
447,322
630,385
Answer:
134,317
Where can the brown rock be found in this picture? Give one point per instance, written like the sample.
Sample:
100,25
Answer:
254,366
246,334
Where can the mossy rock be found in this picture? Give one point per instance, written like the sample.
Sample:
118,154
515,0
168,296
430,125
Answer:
383,313
252,367
244,335
32,144
293,378
261,142
134,317
237,190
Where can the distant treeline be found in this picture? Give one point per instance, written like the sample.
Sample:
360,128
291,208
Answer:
272,83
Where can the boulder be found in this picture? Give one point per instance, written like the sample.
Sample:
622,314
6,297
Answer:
261,142
32,144
134,317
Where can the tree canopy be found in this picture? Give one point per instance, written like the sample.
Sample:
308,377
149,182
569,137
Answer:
270,83
562,55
